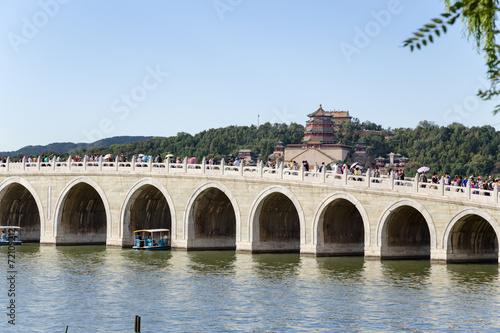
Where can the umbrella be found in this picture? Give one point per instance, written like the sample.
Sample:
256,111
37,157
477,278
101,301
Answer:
141,155
423,169
354,164
107,156
169,155
192,160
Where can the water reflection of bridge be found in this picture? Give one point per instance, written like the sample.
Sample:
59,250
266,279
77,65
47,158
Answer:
250,209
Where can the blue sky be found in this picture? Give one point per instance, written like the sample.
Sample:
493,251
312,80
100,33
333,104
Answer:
74,70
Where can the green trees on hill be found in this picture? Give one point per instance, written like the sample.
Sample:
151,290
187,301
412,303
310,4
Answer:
218,142
455,149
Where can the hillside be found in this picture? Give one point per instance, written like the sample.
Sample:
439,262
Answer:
455,149
68,147
217,142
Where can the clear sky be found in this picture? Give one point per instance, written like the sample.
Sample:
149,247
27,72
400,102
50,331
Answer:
80,70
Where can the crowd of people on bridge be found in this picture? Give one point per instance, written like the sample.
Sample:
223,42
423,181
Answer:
478,182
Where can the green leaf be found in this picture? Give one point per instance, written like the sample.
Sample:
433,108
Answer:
424,42
418,46
418,34
411,48
437,32
431,39
431,26
444,28
437,21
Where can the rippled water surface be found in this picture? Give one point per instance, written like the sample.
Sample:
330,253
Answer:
97,289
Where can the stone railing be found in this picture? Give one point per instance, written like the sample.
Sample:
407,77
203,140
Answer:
364,181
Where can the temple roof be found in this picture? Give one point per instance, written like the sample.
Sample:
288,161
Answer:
331,114
319,113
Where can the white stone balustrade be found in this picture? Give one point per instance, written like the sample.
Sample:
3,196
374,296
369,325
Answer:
363,181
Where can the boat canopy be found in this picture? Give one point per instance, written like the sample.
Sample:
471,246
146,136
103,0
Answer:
153,230
9,227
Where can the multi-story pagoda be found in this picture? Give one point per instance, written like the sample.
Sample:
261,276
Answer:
320,129
319,144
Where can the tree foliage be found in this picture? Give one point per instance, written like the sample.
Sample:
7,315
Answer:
219,142
479,18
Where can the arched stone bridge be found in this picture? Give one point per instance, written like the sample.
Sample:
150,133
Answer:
253,209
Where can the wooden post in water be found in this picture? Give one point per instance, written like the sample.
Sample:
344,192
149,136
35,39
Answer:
137,326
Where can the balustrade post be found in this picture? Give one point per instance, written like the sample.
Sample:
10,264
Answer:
204,165
391,179
316,167
468,191
302,173
7,166
185,164
441,186
344,177
133,163
39,162
117,159
100,162
416,183
69,162
368,178
282,170
242,164
222,165
85,159
323,176
495,193
261,169
24,163
54,163
168,164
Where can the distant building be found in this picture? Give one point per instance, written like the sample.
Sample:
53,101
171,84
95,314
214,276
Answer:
391,161
360,148
246,155
320,143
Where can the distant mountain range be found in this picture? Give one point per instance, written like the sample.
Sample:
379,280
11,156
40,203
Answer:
68,147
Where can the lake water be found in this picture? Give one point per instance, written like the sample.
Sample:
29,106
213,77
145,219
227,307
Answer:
98,289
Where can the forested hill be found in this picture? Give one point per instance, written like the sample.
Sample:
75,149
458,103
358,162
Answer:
68,147
217,142
454,149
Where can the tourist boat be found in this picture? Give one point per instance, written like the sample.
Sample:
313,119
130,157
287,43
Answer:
152,239
10,235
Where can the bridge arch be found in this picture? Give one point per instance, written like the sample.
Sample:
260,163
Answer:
150,197
352,237
471,236
82,201
212,219
406,230
18,200
284,204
